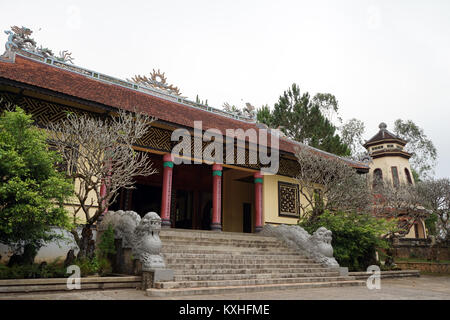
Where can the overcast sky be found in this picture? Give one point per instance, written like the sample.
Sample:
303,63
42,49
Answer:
383,60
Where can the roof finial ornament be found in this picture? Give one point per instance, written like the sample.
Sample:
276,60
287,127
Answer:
382,126
19,39
156,80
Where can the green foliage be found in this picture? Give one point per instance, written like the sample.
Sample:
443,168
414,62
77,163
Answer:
100,262
303,119
88,266
352,135
416,176
97,265
264,115
105,251
33,271
32,191
356,237
424,152
431,223
106,246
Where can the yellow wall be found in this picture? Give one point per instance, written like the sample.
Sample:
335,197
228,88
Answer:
235,194
270,200
385,164
73,204
421,229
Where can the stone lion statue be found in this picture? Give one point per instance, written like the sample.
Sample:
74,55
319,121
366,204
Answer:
124,224
147,244
316,246
141,235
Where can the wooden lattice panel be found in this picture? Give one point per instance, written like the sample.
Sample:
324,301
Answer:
42,112
157,139
288,199
288,167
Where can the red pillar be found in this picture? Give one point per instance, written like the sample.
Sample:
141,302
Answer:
217,198
166,190
258,201
102,195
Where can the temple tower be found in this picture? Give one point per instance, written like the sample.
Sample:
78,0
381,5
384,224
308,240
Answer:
390,162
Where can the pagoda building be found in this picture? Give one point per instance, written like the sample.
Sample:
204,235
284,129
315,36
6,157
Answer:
390,164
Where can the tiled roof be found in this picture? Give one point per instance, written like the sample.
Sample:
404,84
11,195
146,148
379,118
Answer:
43,75
384,135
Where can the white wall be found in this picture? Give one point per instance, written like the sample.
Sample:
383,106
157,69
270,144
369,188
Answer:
51,251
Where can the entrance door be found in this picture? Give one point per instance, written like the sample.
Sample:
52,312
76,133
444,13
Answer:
247,217
184,209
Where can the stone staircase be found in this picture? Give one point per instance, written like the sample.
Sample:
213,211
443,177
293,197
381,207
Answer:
206,262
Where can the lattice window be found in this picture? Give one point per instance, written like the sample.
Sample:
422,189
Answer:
288,199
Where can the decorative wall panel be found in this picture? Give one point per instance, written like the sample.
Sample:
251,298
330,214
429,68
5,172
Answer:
288,199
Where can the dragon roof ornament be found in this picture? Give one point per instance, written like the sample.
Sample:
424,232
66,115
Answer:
156,80
19,39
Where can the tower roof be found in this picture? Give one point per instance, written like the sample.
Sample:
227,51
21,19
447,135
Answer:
383,136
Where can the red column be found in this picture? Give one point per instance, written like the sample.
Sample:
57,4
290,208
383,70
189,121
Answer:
258,201
102,195
166,190
217,198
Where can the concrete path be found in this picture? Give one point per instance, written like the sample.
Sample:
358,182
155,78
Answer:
425,287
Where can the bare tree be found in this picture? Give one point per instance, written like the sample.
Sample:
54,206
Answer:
435,195
402,203
329,183
98,154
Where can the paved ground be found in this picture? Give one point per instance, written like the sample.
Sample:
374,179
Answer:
426,287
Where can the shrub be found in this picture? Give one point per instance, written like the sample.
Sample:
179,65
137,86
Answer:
106,246
32,271
355,237
88,266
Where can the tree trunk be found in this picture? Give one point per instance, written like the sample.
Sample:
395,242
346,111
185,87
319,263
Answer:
27,257
86,243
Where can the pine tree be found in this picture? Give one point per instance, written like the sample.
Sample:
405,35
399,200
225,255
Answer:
301,118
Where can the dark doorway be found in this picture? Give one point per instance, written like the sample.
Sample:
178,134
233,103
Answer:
247,217
206,213
184,209
146,198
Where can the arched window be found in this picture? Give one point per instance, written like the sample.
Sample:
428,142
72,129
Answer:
377,177
408,176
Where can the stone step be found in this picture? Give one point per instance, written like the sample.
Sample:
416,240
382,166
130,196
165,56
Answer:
241,276
244,282
205,234
274,242
172,261
60,284
387,274
219,249
233,255
237,244
186,247
217,271
190,266
249,288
